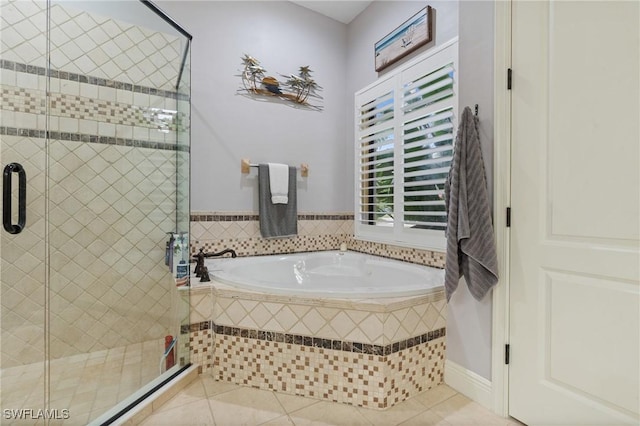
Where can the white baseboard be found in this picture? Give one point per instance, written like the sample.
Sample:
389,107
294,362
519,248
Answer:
468,383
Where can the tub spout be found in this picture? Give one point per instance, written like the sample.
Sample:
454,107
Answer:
222,253
200,269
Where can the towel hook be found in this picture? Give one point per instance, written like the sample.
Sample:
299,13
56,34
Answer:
476,110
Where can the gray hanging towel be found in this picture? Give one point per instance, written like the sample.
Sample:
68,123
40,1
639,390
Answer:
277,220
471,249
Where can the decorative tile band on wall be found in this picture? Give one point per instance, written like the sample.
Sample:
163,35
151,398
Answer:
122,119
255,217
406,254
262,247
79,137
241,231
95,81
215,231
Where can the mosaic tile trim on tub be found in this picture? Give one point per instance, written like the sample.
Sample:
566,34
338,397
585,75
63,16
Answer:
351,371
200,346
375,381
206,327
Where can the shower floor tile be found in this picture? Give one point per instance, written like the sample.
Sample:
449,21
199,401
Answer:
209,402
86,385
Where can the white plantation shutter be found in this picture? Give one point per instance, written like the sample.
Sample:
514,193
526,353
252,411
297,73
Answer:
375,130
405,128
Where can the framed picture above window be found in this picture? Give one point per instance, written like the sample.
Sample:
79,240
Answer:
413,33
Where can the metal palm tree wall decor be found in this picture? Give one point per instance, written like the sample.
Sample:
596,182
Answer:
295,88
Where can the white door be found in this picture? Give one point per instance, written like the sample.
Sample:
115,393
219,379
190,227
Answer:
574,292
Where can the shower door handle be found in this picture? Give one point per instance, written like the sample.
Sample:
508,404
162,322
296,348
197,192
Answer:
9,170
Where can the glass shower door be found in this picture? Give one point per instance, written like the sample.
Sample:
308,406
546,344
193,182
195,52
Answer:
22,248
116,196
91,313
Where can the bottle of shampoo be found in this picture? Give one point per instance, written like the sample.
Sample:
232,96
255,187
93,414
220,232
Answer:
180,265
182,270
177,254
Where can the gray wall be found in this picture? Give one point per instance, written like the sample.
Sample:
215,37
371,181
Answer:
228,126
468,321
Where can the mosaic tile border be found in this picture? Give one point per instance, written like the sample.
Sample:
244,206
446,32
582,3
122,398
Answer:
126,117
309,341
305,243
250,217
264,247
249,243
96,81
431,258
82,137
373,381
200,349
196,326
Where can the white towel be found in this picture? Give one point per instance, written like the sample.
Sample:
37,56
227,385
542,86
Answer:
279,183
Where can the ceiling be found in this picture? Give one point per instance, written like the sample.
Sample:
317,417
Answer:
342,11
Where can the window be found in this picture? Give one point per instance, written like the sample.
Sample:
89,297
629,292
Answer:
405,125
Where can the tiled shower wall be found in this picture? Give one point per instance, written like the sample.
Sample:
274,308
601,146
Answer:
106,139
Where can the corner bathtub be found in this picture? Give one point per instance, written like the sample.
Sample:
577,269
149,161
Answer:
333,274
339,326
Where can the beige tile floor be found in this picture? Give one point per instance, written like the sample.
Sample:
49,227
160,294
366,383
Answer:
86,384
209,402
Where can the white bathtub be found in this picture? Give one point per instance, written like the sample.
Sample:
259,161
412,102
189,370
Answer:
334,274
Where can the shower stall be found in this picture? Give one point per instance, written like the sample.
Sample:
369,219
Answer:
95,143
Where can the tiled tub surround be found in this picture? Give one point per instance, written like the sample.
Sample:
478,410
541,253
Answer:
110,131
371,353
385,351
240,231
